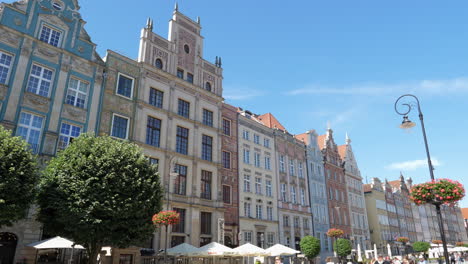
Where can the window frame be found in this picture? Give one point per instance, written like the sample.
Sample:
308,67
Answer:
156,101
179,70
30,127
180,182
52,29
229,196
186,145
8,67
183,108
156,63
227,121
69,136
153,130
206,225
207,117
190,77
207,148
78,92
224,159
117,85
126,130
41,79
206,185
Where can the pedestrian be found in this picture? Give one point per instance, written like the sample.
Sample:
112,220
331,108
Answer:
406,260
396,261
387,260
380,260
452,259
422,261
329,261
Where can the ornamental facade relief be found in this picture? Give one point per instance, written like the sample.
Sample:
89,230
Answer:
36,102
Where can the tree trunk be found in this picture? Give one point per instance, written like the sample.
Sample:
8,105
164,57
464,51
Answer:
93,252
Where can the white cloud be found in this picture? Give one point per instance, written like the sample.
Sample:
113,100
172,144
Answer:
433,87
412,165
241,93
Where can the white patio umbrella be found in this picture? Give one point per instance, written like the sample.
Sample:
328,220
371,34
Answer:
279,250
213,249
183,249
250,250
55,242
460,249
389,250
359,253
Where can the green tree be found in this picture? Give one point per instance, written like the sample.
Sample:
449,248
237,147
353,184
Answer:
100,192
342,247
310,246
18,178
421,246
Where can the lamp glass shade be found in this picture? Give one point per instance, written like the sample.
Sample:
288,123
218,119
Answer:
407,124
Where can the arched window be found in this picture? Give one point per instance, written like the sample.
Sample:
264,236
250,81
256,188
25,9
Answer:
208,86
158,64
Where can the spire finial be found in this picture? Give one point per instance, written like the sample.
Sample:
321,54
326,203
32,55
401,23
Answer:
219,62
348,140
176,7
149,24
328,125
198,20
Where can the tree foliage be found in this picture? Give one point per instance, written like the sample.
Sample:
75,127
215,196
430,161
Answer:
100,192
310,246
342,247
18,178
421,246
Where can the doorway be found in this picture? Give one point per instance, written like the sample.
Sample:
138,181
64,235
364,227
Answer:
8,242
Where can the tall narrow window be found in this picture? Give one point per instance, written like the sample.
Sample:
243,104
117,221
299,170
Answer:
257,159
50,36
182,138
158,63
77,93
207,117
120,127
300,170
206,184
291,167
268,191
189,77
208,86
246,156
227,127
293,195
283,193
256,139
258,210
267,163
269,213
303,197
183,108
207,148
266,142
153,131
179,227
156,97
5,64
40,80
281,163
246,134
285,220
296,222
180,183
246,183
227,194
226,159
67,134
180,73
205,223
30,129
258,185
125,85
247,212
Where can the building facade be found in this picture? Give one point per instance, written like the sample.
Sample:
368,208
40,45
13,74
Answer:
258,196
50,89
294,213
169,102
356,200
465,218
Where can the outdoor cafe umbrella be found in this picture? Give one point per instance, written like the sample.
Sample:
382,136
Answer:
183,249
213,249
279,250
55,243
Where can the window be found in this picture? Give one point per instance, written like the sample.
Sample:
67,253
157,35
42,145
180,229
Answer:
67,134
256,139
208,86
269,213
77,93
293,195
247,209
207,148
246,183
5,63
153,161
246,156
291,167
266,142
303,198
120,127
270,239
125,85
257,159
40,80
267,163
300,170
153,131
29,128
258,185
180,183
248,236
180,73
156,97
296,222
183,108
179,227
226,159
227,194
281,162
206,184
182,140
283,193
330,193
306,223
227,127
258,210
207,117
285,220
186,48
205,223
50,36
189,77
246,135
177,240
158,63
125,259
268,190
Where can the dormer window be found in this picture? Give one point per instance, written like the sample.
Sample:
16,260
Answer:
158,64
50,36
208,86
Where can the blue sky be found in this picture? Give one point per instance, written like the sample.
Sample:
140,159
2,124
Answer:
344,62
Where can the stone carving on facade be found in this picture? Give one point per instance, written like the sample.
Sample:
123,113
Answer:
20,5
186,61
36,102
54,20
160,42
74,113
9,38
187,26
47,52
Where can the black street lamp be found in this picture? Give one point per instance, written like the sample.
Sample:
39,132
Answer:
406,124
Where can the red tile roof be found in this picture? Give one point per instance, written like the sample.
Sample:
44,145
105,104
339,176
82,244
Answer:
303,138
395,183
342,151
465,213
367,187
270,121
321,141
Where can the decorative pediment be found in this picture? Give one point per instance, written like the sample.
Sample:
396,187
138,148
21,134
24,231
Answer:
54,20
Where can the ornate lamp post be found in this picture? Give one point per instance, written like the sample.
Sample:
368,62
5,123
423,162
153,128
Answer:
408,124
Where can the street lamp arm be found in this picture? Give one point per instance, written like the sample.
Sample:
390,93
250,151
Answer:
408,106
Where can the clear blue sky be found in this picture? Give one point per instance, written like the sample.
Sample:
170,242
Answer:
309,62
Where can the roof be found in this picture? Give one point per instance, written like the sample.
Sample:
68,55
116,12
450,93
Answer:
367,188
342,151
321,141
303,137
395,183
465,213
270,121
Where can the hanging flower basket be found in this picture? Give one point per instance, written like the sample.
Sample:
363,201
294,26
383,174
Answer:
402,240
436,241
165,218
443,191
335,232
460,244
